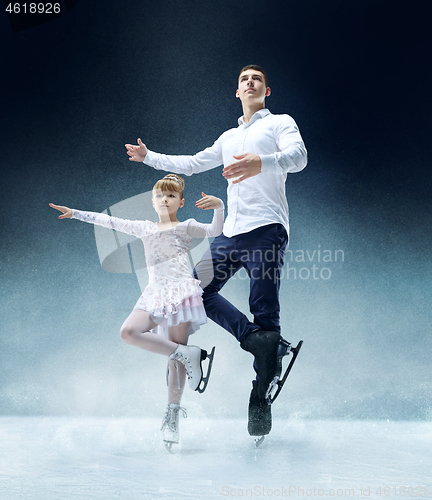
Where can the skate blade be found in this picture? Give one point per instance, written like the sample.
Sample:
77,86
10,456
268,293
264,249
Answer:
204,380
258,440
284,348
173,448
276,383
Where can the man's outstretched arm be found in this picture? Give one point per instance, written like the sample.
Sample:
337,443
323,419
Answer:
182,164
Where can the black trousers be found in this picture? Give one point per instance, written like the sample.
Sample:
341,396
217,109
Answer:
261,253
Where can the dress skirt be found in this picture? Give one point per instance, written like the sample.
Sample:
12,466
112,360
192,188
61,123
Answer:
191,309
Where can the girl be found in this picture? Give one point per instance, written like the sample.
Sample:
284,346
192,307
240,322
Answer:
171,303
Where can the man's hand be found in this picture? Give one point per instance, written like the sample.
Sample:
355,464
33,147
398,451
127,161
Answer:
67,212
208,201
137,153
247,165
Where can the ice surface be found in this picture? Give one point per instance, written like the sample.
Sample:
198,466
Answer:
80,458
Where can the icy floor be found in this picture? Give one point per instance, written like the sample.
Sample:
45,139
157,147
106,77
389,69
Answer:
67,458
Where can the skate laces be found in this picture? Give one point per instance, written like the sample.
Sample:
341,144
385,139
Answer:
185,361
171,417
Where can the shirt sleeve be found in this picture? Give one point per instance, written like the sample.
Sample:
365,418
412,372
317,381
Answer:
292,156
136,228
200,230
187,165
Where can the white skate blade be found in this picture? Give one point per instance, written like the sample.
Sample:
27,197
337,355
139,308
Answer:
258,440
172,448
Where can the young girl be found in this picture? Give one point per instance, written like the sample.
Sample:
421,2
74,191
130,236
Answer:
171,303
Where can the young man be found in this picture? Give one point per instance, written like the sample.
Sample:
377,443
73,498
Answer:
257,155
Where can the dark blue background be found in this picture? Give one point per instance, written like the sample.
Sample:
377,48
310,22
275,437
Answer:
356,76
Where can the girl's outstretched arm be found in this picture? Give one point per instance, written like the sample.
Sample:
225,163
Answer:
133,227
67,212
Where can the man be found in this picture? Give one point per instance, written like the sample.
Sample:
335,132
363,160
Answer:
257,155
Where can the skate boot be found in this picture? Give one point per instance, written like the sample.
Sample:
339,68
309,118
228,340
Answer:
265,347
170,427
259,415
191,357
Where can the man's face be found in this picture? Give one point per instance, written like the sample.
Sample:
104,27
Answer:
251,87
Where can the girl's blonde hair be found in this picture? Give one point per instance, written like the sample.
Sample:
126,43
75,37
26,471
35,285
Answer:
171,182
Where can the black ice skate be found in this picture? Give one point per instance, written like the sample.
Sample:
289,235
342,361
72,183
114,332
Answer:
284,349
264,346
191,357
268,349
259,415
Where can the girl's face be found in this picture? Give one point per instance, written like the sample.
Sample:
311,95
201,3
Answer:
166,202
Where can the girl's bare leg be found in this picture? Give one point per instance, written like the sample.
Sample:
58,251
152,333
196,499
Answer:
178,335
136,331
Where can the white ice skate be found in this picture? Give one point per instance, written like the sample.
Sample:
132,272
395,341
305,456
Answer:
170,427
191,357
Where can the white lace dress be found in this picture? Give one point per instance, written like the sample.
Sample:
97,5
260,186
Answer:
173,295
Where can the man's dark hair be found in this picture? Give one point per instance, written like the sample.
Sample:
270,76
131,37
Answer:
256,68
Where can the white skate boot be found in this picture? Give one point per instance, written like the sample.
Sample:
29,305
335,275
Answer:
191,357
170,427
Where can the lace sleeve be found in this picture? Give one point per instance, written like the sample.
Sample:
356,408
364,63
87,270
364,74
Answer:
200,230
136,228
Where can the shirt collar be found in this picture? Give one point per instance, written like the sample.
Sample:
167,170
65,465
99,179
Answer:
259,114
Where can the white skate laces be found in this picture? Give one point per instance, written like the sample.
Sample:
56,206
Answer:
170,425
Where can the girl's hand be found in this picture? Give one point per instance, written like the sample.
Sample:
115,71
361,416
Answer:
67,212
207,202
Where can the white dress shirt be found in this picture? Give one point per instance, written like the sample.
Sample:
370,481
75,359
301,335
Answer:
259,200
